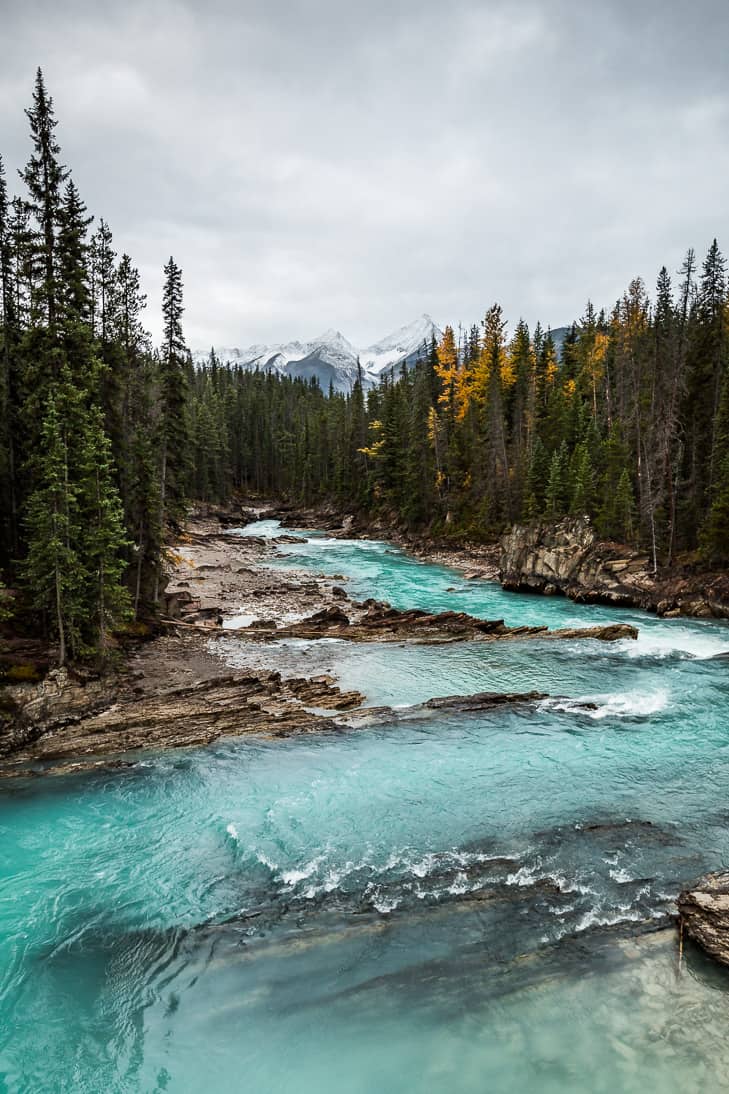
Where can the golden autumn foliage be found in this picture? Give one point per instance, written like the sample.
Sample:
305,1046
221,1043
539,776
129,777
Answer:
433,426
373,451
447,367
551,364
466,384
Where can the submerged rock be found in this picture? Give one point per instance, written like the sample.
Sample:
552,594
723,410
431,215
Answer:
704,914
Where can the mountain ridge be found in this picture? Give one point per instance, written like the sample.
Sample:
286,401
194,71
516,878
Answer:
331,357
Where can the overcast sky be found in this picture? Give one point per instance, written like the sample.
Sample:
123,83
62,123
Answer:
331,163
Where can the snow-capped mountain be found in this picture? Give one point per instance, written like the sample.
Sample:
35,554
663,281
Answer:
331,358
403,345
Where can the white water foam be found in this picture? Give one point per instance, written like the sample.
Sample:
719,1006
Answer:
671,640
460,885
265,861
244,619
623,913
293,877
628,704
421,865
373,546
265,529
525,876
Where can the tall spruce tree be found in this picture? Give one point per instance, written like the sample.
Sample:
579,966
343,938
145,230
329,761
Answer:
44,176
174,427
53,570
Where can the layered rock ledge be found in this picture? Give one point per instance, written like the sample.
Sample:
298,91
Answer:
74,726
233,705
382,623
704,914
568,558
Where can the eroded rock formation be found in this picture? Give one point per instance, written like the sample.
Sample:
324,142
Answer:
381,623
568,558
233,704
704,912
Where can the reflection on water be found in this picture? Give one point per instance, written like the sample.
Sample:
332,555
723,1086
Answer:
461,903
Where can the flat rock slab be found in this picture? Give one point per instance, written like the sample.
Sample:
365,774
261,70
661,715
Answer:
260,703
229,705
385,624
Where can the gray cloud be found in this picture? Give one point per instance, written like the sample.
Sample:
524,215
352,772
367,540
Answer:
315,164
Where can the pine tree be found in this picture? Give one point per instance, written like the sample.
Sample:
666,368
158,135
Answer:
44,177
537,480
53,571
9,336
554,497
173,396
625,509
582,482
102,538
715,531
74,298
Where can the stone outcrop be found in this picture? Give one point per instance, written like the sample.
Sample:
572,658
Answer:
61,699
233,704
478,702
381,623
704,913
568,558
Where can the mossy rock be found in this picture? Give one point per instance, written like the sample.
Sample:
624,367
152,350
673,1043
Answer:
27,673
134,630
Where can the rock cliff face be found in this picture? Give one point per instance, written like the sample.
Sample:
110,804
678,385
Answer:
27,711
704,912
567,558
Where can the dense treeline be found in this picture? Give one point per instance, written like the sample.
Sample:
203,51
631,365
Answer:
628,423
103,439
93,424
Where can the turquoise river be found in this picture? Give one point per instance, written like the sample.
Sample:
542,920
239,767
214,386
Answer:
468,903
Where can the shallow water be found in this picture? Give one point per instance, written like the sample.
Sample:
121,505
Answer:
442,904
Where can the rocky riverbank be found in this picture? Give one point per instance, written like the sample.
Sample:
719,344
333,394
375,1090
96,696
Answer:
569,559
564,558
176,689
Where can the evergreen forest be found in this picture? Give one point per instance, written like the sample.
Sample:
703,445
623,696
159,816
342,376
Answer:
105,439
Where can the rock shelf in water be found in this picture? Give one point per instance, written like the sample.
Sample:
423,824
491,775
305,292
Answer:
237,704
704,914
381,623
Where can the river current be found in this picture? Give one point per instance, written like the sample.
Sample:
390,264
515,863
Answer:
462,903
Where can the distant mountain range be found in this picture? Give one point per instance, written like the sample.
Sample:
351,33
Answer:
332,359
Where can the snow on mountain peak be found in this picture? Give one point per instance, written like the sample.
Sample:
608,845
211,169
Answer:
405,337
332,358
333,337
403,345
